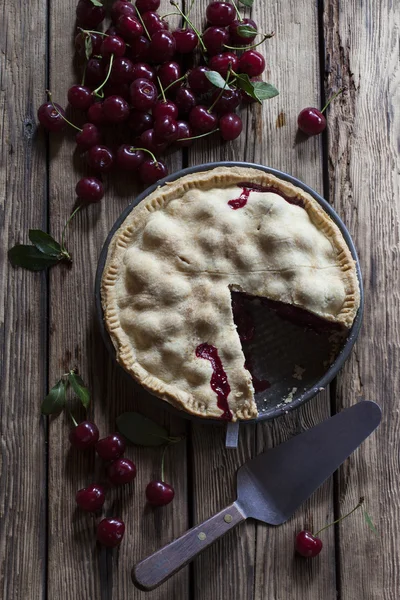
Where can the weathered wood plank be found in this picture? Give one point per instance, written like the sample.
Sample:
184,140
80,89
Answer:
87,571
22,306
362,41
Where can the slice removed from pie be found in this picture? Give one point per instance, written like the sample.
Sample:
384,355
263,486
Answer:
171,267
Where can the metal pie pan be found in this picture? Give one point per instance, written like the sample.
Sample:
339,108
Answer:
297,362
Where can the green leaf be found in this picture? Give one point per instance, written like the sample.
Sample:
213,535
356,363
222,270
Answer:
44,242
246,31
55,399
88,46
29,257
96,3
217,79
79,388
259,90
248,3
140,430
370,523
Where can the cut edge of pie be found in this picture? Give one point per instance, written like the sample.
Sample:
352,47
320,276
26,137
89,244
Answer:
219,177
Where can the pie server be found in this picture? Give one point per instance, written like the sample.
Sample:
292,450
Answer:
270,487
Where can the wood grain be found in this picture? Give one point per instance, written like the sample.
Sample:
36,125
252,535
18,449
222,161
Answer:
362,42
22,306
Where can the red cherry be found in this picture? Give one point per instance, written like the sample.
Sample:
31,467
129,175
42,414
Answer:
139,49
186,40
113,44
166,129
130,27
168,73
143,70
128,159
140,121
311,121
122,70
113,446
159,493
110,532
80,96
185,100
149,141
143,94
115,109
238,40
220,13
164,108
91,498
151,171
80,43
50,118
112,30
94,74
227,102
162,46
252,63
153,22
121,7
184,131
214,39
230,126
90,190
201,120
88,137
198,81
307,544
145,5
121,471
88,15
84,435
223,62
100,158
95,114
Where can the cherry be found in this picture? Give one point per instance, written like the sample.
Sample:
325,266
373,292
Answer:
80,96
201,120
235,38
307,544
166,129
162,46
143,94
186,40
168,73
223,62
49,118
88,137
91,498
121,471
113,44
80,43
153,22
139,48
151,171
184,131
165,108
185,100
149,141
121,7
129,159
89,189
122,70
220,13
252,63
115,109
198,82
84,435
311,121
88,15
95,114
112,30
227,102
100,158
145,5
144,71
113,446
94,73
214,39
159,493
130,27
110,532
230,126
140,121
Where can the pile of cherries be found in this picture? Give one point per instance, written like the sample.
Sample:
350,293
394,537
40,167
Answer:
120,471
147,80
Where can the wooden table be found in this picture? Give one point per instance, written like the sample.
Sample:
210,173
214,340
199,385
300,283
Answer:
48,325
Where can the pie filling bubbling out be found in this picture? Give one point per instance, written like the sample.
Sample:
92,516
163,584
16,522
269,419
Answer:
219,380
255,187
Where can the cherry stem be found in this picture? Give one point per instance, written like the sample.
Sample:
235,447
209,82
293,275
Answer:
58,112
143,25
189,23
162,89
332,98
360,503
163,461
64,250
266,37
94,31
148,151
73,419
195,137
222,89
239,16
174,82
170,15
97,90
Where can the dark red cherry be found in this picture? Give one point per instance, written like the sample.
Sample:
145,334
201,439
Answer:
166,129
184,132
186,40
88,137
311,121
84,435
115,109
198,82
162,46
128,158
122,70
201,120
159,493
223,62
151,171
149,141
50,118
185,100
112,30
120,8
220,13
168,73
94,74
80,96
145,5
234,33
100,158
307,544
91,498
214,39
110,532
227,102
81,45
121,471
153,22
230,126
140,121
88,15
89,189
113,446
252,63
95,114
143,94
130,27
139,49
113,44
164,108
142,70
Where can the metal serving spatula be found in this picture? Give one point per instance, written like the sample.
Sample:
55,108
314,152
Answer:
270,487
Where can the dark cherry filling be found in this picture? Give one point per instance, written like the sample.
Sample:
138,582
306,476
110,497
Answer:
219,380
247,187
299,316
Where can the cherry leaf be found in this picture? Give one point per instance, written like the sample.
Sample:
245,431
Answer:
55,399
29,257
88,46
246,31
96,3
370,523
141,431
217,79
45,243
259,90
79,388
248,3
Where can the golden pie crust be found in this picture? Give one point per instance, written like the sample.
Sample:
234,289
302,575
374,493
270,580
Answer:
172,265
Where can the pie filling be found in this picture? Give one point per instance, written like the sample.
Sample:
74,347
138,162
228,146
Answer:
248,187
219,380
